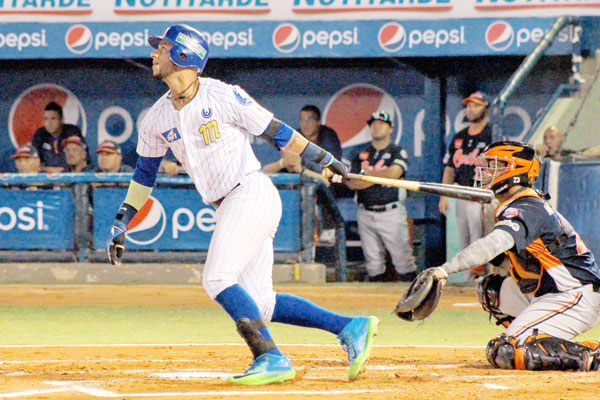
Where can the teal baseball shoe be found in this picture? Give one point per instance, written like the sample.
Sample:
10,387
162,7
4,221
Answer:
357,339
266,368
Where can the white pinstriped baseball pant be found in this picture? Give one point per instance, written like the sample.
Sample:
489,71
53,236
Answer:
241,248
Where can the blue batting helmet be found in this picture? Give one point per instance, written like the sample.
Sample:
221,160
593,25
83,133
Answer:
190,49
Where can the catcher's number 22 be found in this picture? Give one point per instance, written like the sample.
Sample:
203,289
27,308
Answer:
210,132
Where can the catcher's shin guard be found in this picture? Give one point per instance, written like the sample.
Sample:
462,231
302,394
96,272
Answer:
541,353
488,293
250,331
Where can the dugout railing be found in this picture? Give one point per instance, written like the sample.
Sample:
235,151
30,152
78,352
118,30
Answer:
528,65
67,218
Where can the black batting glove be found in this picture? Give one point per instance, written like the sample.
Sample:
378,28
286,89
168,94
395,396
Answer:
333,169
115,247
339,170
116,243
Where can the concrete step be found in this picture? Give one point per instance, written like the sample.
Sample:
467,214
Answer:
164,273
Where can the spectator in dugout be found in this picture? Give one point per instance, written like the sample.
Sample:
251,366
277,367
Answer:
110,158
27,160
48,139
292,163
76,154
552,146
324,137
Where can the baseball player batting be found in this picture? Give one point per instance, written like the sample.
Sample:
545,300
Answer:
207,124
553,292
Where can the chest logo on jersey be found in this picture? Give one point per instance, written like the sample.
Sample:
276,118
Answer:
471,158
207,113
458,143
171,135
363,155
210,132
241,96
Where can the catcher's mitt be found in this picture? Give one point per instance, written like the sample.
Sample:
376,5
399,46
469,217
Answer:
421,298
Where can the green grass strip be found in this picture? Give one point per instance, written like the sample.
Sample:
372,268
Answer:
98,324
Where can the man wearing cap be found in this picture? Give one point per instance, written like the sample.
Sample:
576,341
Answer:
48,139
382,219
76,154
459,167
110,158
27,160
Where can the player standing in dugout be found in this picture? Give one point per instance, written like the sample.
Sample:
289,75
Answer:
207,124
459,167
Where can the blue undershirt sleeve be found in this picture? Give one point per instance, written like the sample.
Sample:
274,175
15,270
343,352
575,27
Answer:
146,170
283,135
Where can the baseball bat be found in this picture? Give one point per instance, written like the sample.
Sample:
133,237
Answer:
440,189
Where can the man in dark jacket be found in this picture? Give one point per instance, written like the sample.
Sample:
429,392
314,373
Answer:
48,139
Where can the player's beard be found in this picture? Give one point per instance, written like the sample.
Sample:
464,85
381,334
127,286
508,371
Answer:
163,72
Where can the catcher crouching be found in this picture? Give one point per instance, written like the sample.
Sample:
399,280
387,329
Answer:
552,293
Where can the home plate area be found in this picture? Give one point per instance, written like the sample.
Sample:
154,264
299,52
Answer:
200,370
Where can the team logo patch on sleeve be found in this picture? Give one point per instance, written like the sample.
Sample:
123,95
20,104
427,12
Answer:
511,212
171,135
363,155
403,154
512,225
241,96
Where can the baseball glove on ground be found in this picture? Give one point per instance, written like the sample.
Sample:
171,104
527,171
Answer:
421,298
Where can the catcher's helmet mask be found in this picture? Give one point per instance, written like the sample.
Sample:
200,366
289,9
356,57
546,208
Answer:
505,164
190,48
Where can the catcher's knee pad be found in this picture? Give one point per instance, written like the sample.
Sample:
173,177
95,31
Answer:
249,330
541,353
488,293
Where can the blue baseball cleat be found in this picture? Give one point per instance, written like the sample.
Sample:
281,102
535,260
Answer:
357,339
266,368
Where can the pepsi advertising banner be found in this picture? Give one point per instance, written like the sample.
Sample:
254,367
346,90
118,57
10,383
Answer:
177,219
297,39
36,219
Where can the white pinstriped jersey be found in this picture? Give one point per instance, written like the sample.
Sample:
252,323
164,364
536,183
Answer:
209,136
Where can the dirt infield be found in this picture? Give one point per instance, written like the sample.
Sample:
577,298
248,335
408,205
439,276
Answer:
197,371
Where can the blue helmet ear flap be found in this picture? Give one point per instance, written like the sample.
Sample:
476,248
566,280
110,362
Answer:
190,49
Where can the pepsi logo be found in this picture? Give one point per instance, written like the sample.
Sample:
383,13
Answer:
391,37
286,38
78,39
27,112
148,224
499,36
363,99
